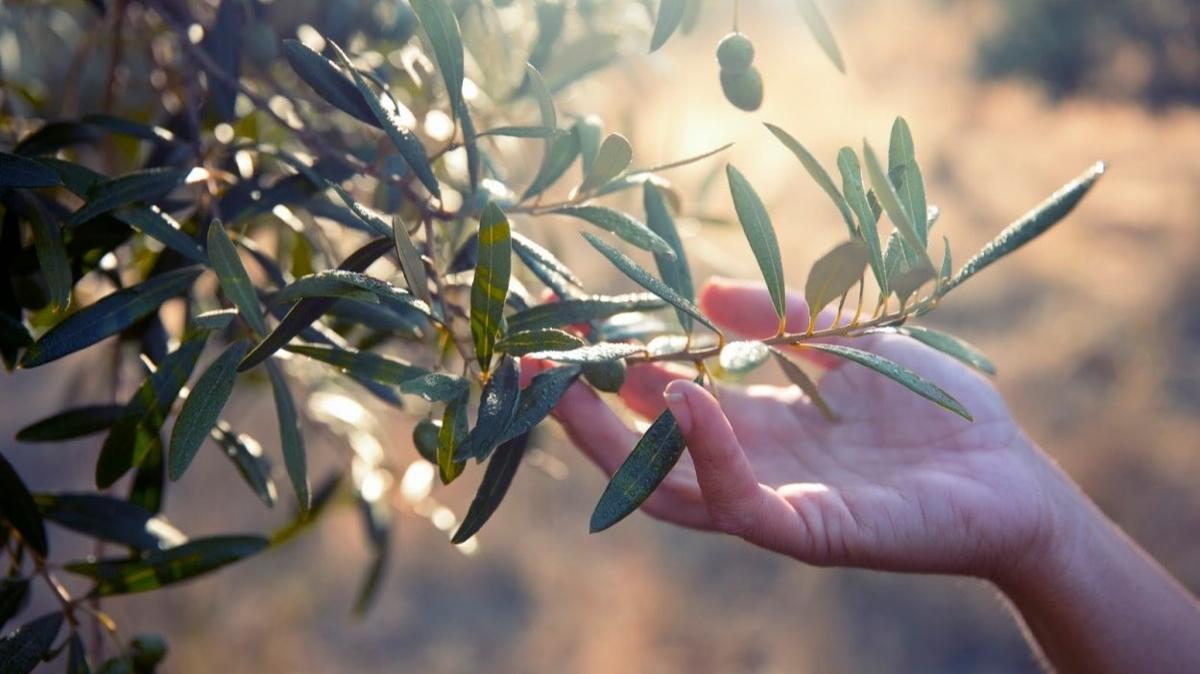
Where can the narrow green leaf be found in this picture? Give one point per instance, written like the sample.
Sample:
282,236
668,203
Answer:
589,129
818,173
743,356
368,364
539,398
471,146
436,387
890,201
233,277
156,224
72,423
674,271
612,158
545,101
166,567
946,343
223,43
497,404
18,508
77,656
405,140
896,372
145,185
496,481
542,262
947,266
685,161
309,310
602,352
17,171
213,321
646,467
904,276
856,197
347,284
108,316
374,220
543,132
291,440
110,519
51,252
560,154
797,376
570,312
203,407
490,286
670,13
453,432
1041,218
411,264
441,27
14,595
647,281
136,432
620,224
821,32
834,274
247,456
761,235
905,176
377,517
328,81
580,58
148,488
24,648
530,341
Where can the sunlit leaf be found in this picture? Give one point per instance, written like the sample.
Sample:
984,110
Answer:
621,224
947,265
108,316
328,81
539,398
347,284
890,200
548,268
18,171
215,320
1042,217
834,274
947,344
561,152
157,224
290,437
570,312
451,436
818,173
110,519
441,27
497,404
905,175
144,185
612,158
369,364
489,289
23,649
646,467
545,102
18,508
235,282
247,456
203,407
821,32
761,235
670,13
798,377
674,270
72,423
543,132
896,372
435,387
743,356
601,352
496,481
166,567
856,198
547,339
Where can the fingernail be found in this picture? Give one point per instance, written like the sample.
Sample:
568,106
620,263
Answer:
677,402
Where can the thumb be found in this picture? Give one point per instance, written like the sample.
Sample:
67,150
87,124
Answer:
736,502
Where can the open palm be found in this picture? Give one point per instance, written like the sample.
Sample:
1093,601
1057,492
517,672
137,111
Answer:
897,483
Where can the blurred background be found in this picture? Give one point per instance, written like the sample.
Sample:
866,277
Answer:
1095,330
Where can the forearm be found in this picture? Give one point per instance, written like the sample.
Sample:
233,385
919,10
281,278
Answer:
1097,603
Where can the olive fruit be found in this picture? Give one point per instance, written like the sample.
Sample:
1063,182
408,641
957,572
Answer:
744,90
425,437
607,376
146,651
735,53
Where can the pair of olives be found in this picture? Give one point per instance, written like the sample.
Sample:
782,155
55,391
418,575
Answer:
740,80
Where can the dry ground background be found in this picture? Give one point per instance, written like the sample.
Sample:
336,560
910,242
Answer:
1095,329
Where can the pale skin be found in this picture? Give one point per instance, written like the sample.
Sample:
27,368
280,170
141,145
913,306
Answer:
898,484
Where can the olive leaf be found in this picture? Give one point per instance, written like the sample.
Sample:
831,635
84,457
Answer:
290,438
821,32
144,185
1026,228
233,277
203,407
896,372
544,265
670,14
328,81
612,158
496,480
905,176
545,339
582,310
539,398
818,173
655,454
247,456
110,519
890,200
441,27
621,224
166,567
497,405
72,423
157,224
761,234
348,284
601,352
367,364
24,648
856,197
674,270
18,508
561,151
453,432
51,252
489,289
946,343
834,274
108,316
800,378
18,171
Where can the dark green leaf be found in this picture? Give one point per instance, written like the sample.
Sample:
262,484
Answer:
351,284
136,432
453,432
644,279
947,267
108,316
539,398
223,42
544,265
761,235
18,508
896,372
110,519
72,423
834,274
856,197
818,173
646,467
166,567
620,224
24,648
217,319
490,287
435,386
670,13
569,312
145,185
821,32
77,656
148,488
202,408
496,481
156,224
290,438
801,379
612,158
51,253
1029,226
377,516
79,180
14,594
497,404
601,352
54,136
366,364
17,171
323,495
674,270
441,27
328,81
373,220
247,456
411,264
560,154
547,339
234,279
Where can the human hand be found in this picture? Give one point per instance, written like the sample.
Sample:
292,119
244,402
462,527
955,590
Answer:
897,483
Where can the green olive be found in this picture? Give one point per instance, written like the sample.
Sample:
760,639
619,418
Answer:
607,377
735,53
425,437
146,651
744,90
